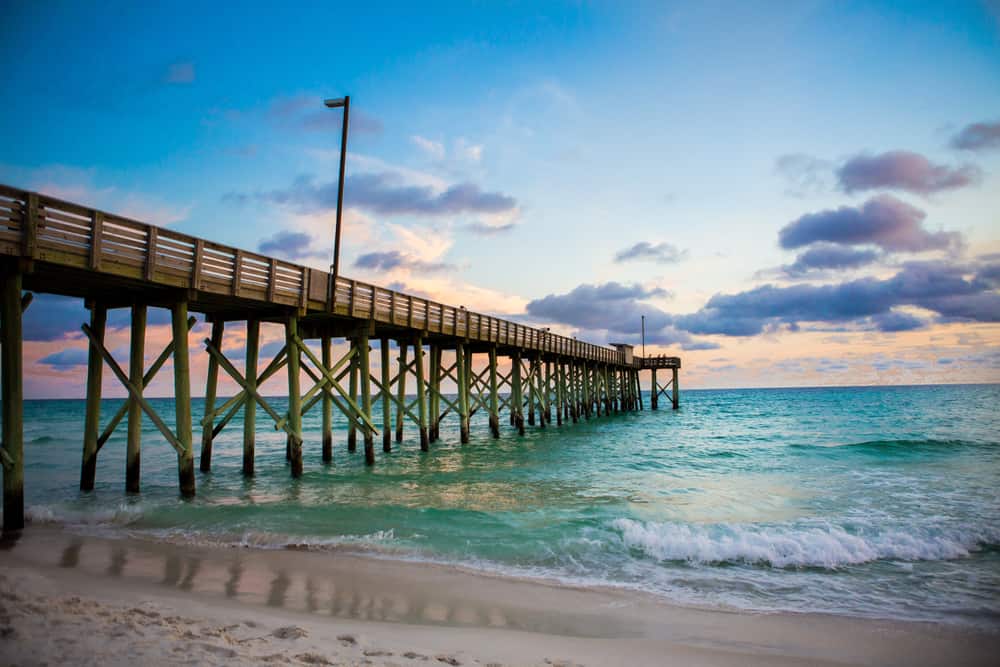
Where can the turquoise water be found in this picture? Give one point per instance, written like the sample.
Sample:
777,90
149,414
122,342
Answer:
879,502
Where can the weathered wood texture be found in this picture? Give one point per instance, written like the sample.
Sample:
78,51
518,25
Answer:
88,249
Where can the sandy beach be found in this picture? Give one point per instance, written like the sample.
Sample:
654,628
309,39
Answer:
73,599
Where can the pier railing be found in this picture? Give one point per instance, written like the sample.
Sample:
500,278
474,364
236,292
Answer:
46,229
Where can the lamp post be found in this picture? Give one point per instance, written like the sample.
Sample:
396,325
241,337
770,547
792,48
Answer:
344,102
643,336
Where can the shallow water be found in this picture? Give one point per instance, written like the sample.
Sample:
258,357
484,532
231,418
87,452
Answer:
862,501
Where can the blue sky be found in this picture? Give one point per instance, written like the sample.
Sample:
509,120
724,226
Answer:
524,145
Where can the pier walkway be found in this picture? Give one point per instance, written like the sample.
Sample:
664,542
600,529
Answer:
52,246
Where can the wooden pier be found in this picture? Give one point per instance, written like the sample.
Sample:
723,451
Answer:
58,247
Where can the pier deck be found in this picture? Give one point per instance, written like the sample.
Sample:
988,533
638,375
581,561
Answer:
52,246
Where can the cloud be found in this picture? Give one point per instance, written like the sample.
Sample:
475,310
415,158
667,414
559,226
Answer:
830,256
291,245
179,73
884,221
394,259
977,136
386,193
51,317
895,320
903,170
934,286
66,359
805,174
612,306
614,311
486,229
661,253
433,149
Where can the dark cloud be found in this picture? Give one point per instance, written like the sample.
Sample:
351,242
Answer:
895,320
385,193
661,253
292,246
903,170
977,136
614,310
51,317
612,306
989,274
824,256
66,359
935,286
394,259
884,221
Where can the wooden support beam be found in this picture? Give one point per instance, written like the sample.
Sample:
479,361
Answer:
234,404
638,389
462,362
120,374
182,399
532,392
95,368
364,366
494,394
294,394
165,355
434,403
418,358
12,399
654,396
559,391
385,396
136,363
249,407
547,396
401,389
352,432
516,408
676,400
586,391
211,389
360,419
595,375
326,352
574,391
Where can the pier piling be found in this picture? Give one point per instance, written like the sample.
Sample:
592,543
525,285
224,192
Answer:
95,369
135,367
385,395
211,388
294,394
326,352
182,398
250,405
12,453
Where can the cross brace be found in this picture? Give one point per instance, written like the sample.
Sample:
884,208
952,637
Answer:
134,393
146,379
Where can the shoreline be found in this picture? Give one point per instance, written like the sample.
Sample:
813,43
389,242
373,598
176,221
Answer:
405,607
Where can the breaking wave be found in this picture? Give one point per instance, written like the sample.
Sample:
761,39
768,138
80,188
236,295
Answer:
819,545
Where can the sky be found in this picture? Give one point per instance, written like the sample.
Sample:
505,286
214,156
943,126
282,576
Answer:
792,194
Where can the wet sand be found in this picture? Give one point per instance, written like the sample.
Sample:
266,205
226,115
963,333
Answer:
66,598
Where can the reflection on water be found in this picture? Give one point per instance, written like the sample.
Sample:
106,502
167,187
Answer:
256,581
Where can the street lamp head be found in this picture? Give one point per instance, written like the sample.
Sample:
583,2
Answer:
335,103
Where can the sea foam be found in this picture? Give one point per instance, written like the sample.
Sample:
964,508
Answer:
823,545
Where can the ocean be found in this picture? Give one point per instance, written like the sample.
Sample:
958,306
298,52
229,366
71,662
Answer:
864,501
